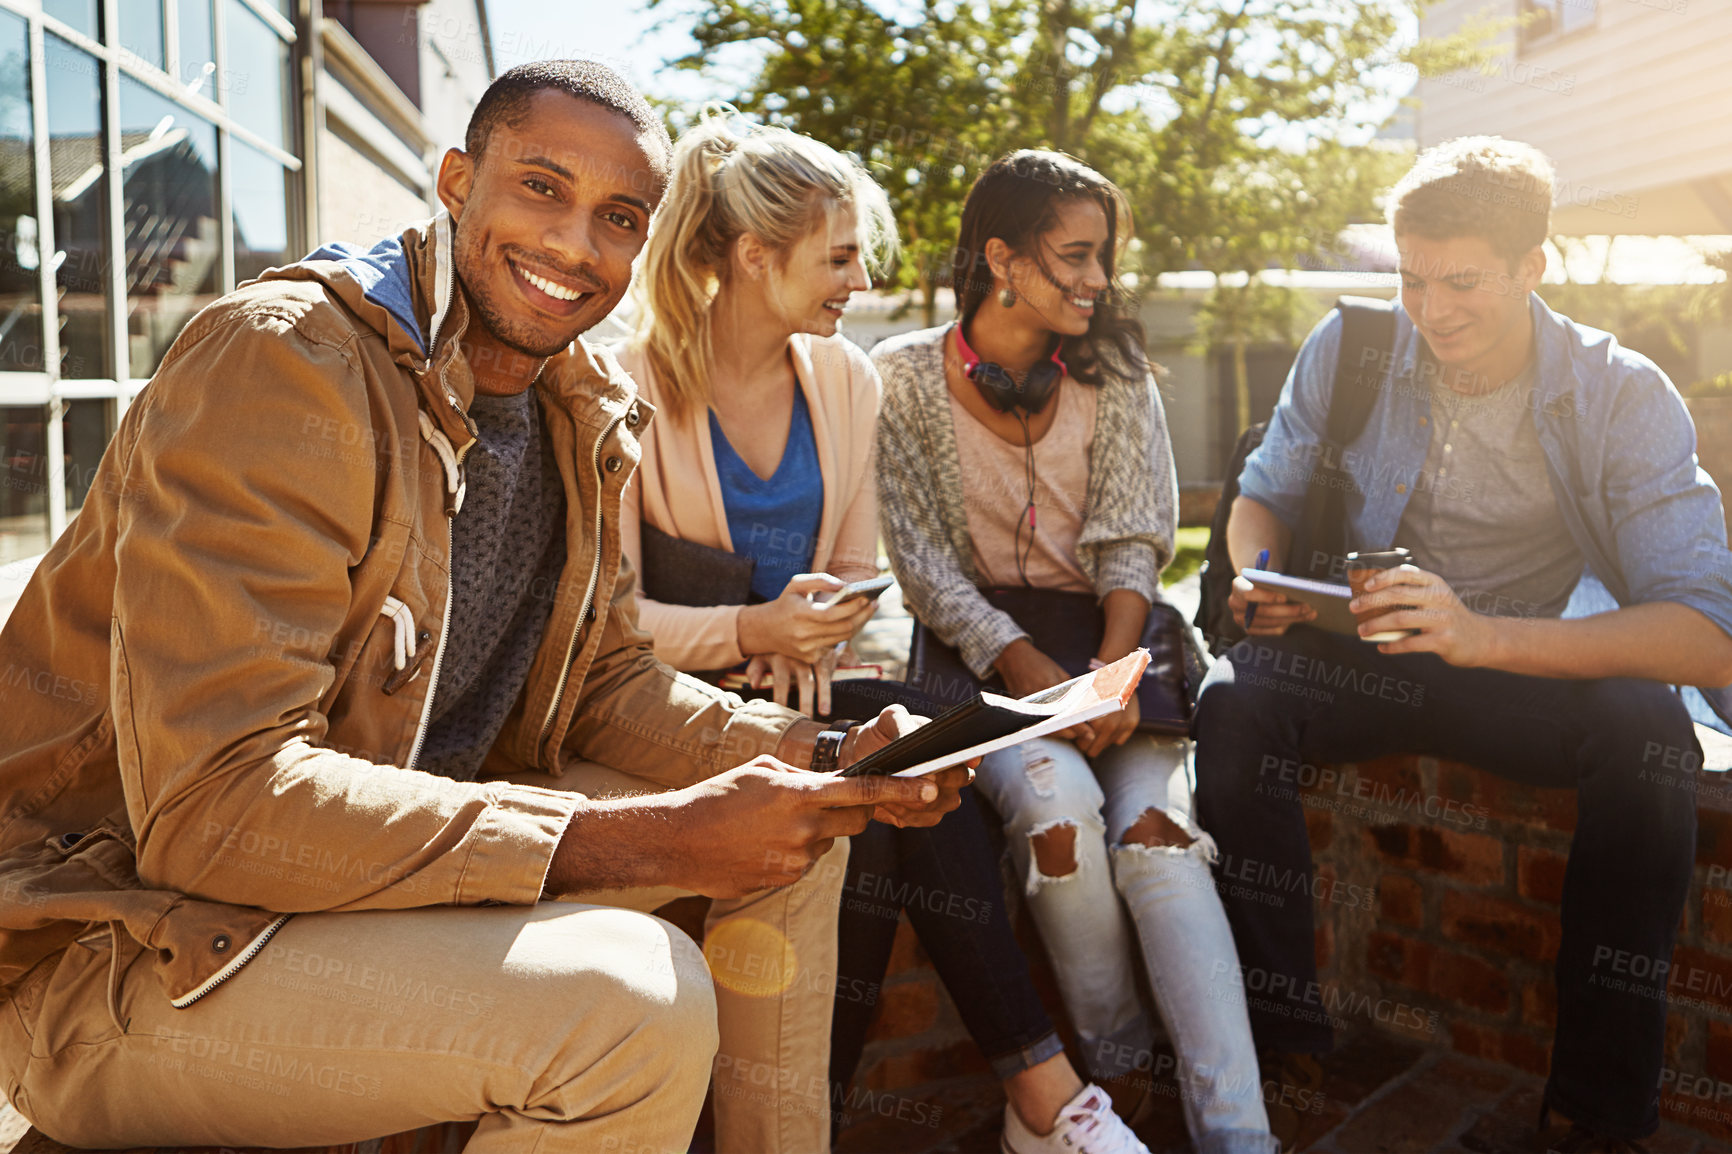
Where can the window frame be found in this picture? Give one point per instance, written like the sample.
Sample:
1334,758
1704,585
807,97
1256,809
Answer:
1526,43
46,388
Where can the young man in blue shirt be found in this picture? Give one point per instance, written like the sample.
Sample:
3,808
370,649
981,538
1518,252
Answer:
1513,451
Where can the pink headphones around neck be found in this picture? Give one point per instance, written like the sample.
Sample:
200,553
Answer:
1002,390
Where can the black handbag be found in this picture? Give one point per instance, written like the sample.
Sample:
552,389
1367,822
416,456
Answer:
680,572
1067,627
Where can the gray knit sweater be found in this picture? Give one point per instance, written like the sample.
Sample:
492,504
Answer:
1128,511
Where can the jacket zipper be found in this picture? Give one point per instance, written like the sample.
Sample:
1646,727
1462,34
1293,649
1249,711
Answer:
438,653
445,274
232,968
588,594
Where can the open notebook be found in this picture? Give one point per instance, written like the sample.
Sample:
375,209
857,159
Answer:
991,722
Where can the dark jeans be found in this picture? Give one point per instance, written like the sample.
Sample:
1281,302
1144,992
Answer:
947,878
1275,707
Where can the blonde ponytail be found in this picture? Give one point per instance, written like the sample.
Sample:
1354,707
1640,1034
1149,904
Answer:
732,177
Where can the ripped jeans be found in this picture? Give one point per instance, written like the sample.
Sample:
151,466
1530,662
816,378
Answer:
1048,784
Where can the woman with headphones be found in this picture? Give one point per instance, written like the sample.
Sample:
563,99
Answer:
1024,447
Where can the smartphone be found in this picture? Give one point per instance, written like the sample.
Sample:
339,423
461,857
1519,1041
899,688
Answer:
869,588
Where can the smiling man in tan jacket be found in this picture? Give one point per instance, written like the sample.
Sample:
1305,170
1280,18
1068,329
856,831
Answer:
274,705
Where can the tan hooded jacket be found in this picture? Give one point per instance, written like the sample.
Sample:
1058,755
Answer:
214,689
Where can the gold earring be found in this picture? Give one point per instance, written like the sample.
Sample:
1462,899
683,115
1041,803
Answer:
1007,298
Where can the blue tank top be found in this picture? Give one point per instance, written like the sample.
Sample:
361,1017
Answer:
774,521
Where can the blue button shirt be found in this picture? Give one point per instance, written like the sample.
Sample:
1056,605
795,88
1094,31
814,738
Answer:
773,521
1620,454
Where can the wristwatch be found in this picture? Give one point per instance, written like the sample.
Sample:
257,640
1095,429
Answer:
827,746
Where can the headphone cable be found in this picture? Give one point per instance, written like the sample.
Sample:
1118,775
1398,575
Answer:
1024,556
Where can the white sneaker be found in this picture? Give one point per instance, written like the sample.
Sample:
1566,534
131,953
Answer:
1086,1125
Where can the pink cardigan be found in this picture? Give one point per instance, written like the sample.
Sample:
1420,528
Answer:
676,489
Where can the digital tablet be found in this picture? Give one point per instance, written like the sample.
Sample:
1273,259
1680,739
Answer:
1329,599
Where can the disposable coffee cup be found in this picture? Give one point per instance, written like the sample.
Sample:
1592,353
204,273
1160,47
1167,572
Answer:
1361,567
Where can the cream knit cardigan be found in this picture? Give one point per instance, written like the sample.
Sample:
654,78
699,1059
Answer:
677,490
1128,512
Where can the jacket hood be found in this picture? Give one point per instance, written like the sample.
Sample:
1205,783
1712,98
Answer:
405,289
402,287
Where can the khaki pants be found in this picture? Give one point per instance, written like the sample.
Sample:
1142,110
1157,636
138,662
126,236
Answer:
773,957
560,1026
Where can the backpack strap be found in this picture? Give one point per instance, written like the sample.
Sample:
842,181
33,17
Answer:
1367,346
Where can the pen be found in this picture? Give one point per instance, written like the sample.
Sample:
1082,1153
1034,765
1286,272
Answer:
1251,609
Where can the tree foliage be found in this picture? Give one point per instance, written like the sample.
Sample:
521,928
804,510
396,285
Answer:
1240,129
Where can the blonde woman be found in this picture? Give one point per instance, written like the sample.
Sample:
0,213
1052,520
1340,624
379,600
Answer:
762,447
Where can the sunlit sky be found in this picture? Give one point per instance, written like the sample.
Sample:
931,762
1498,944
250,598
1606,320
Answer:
622,33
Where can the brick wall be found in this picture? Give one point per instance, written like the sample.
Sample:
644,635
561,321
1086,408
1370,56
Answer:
1437,896
1464,873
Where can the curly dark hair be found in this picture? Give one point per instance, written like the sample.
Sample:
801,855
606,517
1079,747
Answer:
1016,200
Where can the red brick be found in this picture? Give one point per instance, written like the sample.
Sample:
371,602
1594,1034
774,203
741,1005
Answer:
1717,915
1699,975
1532,805
907,1008
1399,959
1507,801
1511,1047
906,953
1677,1035
1464,784
1468,981
1540,1005
1323,943
1714,837
1500,926
1720,1050
1525,1052
1469,857
1540,874
1705,1115
1397,772
1401,900
1319,824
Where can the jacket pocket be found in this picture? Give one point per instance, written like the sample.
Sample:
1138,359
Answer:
393,633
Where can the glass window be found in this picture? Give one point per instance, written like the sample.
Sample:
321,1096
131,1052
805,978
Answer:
20,258
261,191
1577,14
1546,20
257,75
141,30
23,482
85,429
79,181
197,65
79,14
173,223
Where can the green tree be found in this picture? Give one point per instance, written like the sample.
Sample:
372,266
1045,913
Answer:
1238,128
921,101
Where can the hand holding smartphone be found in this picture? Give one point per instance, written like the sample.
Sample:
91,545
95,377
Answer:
870,588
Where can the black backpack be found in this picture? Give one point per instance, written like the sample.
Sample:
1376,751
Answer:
1367,342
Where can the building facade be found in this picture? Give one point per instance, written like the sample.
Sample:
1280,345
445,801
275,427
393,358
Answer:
156,153
1628,97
